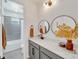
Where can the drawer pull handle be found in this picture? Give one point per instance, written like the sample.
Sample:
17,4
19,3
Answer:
33,51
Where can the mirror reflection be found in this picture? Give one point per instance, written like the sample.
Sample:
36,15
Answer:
44,26
64,26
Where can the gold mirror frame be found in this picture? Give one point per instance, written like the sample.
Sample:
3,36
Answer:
62,16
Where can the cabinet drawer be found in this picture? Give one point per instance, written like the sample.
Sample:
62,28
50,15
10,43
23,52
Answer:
34,44
50,54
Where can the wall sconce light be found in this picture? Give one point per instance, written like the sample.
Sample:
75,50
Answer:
49,3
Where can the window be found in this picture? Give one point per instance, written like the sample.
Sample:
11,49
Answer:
12,27
13,15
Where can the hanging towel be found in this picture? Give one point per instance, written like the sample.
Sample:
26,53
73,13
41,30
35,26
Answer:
3,38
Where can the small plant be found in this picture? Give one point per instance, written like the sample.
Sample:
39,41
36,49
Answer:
67,32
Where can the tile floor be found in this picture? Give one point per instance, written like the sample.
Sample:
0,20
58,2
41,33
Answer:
17,54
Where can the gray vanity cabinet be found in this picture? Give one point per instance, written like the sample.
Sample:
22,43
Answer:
33,51
44,56
38,52
49,54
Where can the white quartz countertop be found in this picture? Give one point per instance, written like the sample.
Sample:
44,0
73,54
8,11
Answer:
53,46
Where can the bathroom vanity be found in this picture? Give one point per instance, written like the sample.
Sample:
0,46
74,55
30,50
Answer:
48,49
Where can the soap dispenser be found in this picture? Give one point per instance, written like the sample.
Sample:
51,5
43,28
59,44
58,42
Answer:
41,32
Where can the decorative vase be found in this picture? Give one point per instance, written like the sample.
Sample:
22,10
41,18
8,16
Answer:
69,45
31,31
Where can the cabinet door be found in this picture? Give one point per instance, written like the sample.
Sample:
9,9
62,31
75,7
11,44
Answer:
34,52
44,56
51,55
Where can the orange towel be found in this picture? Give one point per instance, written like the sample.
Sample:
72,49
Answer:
3,38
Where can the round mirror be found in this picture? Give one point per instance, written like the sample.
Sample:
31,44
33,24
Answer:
64,26
43,26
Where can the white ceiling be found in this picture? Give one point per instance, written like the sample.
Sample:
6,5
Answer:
38,1
19,1
34,1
